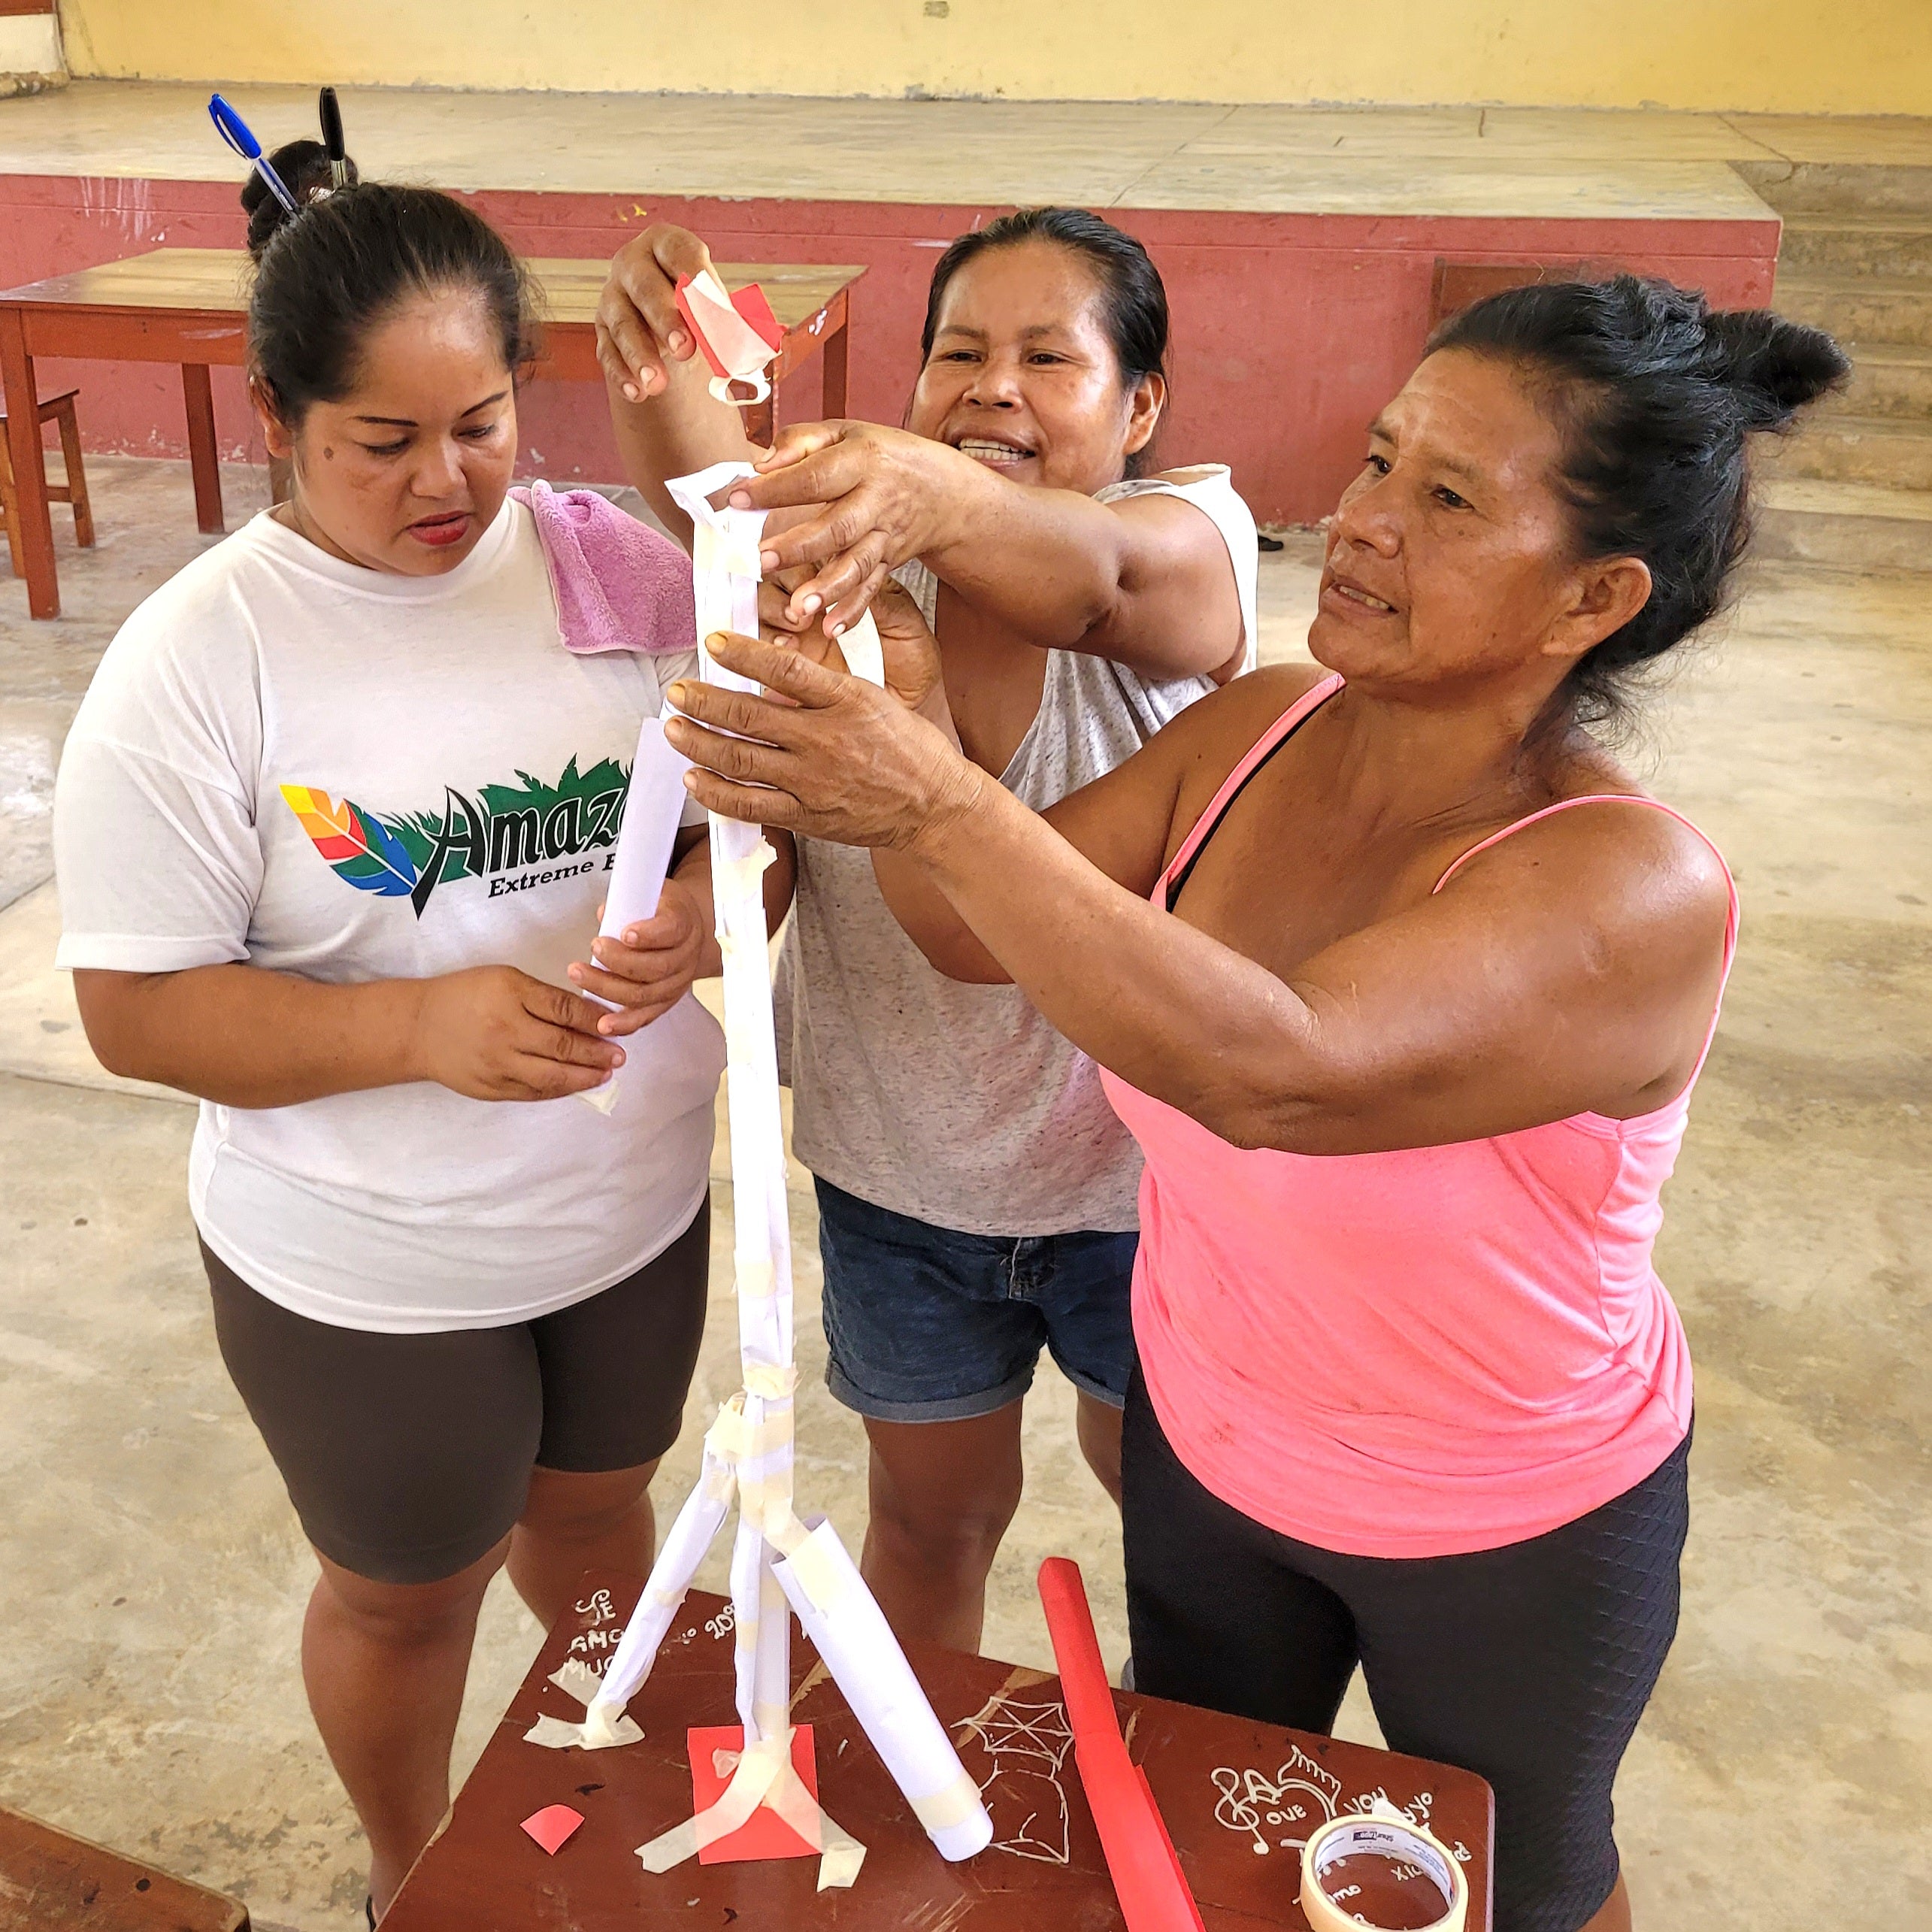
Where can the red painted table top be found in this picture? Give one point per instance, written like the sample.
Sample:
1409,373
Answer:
1238,1797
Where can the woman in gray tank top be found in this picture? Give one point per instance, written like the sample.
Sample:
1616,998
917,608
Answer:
977,1195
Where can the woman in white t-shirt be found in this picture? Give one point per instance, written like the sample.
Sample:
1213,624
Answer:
331,829
977,1195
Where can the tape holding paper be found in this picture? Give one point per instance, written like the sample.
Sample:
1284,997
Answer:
1377,1868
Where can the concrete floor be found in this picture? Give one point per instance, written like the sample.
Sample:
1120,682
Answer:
1509,161
152,1577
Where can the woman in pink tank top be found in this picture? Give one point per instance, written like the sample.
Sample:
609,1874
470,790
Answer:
1402,985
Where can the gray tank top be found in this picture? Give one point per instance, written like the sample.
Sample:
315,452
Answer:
959,1105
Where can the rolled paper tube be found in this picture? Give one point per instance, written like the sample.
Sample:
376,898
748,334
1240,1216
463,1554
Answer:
698,1523
856,1645
1147,1878
654,802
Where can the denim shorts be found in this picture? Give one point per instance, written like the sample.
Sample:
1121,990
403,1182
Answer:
925,1324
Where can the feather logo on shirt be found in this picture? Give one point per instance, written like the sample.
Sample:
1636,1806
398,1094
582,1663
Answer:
514,836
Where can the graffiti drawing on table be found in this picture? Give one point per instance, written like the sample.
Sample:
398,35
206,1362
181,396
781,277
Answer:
1026,1745
1283,1808
598,1608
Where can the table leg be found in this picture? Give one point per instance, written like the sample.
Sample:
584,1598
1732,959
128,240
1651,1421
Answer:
761,420
831,398
202,457
23,444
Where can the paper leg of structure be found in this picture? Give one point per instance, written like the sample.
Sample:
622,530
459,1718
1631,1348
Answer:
775,1559
653,804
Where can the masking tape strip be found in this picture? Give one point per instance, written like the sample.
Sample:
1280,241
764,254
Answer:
821,1576
953,1806
770,1381
1383,1832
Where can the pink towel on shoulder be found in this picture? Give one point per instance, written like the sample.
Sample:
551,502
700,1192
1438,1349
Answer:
619,585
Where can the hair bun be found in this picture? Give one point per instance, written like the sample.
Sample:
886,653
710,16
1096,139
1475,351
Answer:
303,167
1775,366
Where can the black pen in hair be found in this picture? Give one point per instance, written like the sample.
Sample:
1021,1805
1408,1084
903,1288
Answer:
332,143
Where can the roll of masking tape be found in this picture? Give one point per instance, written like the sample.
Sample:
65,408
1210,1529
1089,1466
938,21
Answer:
1376,1869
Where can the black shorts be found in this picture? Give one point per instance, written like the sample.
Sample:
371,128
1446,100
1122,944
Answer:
1530,1664
408,1457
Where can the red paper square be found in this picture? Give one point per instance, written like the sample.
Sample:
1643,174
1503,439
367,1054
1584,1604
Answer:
764,1834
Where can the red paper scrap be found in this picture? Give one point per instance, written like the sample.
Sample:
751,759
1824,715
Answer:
753,310
552,1826
764,1834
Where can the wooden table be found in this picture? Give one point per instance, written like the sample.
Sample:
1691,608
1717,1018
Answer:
190,306
1238,1798
52,1882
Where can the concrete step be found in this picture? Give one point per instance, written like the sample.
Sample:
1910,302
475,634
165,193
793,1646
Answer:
1871,309
1894,451
1850,188
1835,246
1849,525
1887,379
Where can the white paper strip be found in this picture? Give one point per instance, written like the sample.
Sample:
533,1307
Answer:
749,1450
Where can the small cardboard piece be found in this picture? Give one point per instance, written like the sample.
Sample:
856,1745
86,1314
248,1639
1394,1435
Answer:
713,1750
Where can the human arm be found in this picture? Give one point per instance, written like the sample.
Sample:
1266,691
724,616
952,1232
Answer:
666,421
242,1036
1146,579
1571,970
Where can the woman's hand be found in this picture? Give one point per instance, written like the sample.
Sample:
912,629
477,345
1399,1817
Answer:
910,649
493,1033
841,760
653,965
882,497
638,326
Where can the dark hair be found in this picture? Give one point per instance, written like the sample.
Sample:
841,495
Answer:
1653,393
303,169
1134,300
344,262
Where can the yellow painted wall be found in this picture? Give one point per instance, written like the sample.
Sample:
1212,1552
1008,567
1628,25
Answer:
1802,56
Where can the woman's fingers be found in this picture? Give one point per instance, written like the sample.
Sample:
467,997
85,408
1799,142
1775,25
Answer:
801,441
853,604
637,312
830,471
730,755
756,805
774,666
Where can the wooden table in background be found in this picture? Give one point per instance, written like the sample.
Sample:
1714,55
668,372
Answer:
52,1882
1238,1798
190,306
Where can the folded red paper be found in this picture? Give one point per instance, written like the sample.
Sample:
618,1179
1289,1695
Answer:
714,1756
1153,1892
552,1826
703,316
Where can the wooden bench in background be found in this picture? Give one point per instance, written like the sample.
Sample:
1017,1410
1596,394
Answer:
52,1882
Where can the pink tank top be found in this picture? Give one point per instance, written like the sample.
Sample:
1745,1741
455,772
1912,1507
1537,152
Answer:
1411,1354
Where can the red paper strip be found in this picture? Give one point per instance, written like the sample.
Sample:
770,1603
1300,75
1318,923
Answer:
1140,1857
764,1834
552,1826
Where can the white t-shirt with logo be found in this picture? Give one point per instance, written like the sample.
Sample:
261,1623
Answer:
348,775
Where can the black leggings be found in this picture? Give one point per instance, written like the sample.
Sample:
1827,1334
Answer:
1530,1664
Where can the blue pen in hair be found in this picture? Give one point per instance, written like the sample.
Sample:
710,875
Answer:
234,131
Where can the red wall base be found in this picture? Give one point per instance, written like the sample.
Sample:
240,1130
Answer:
1291,331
